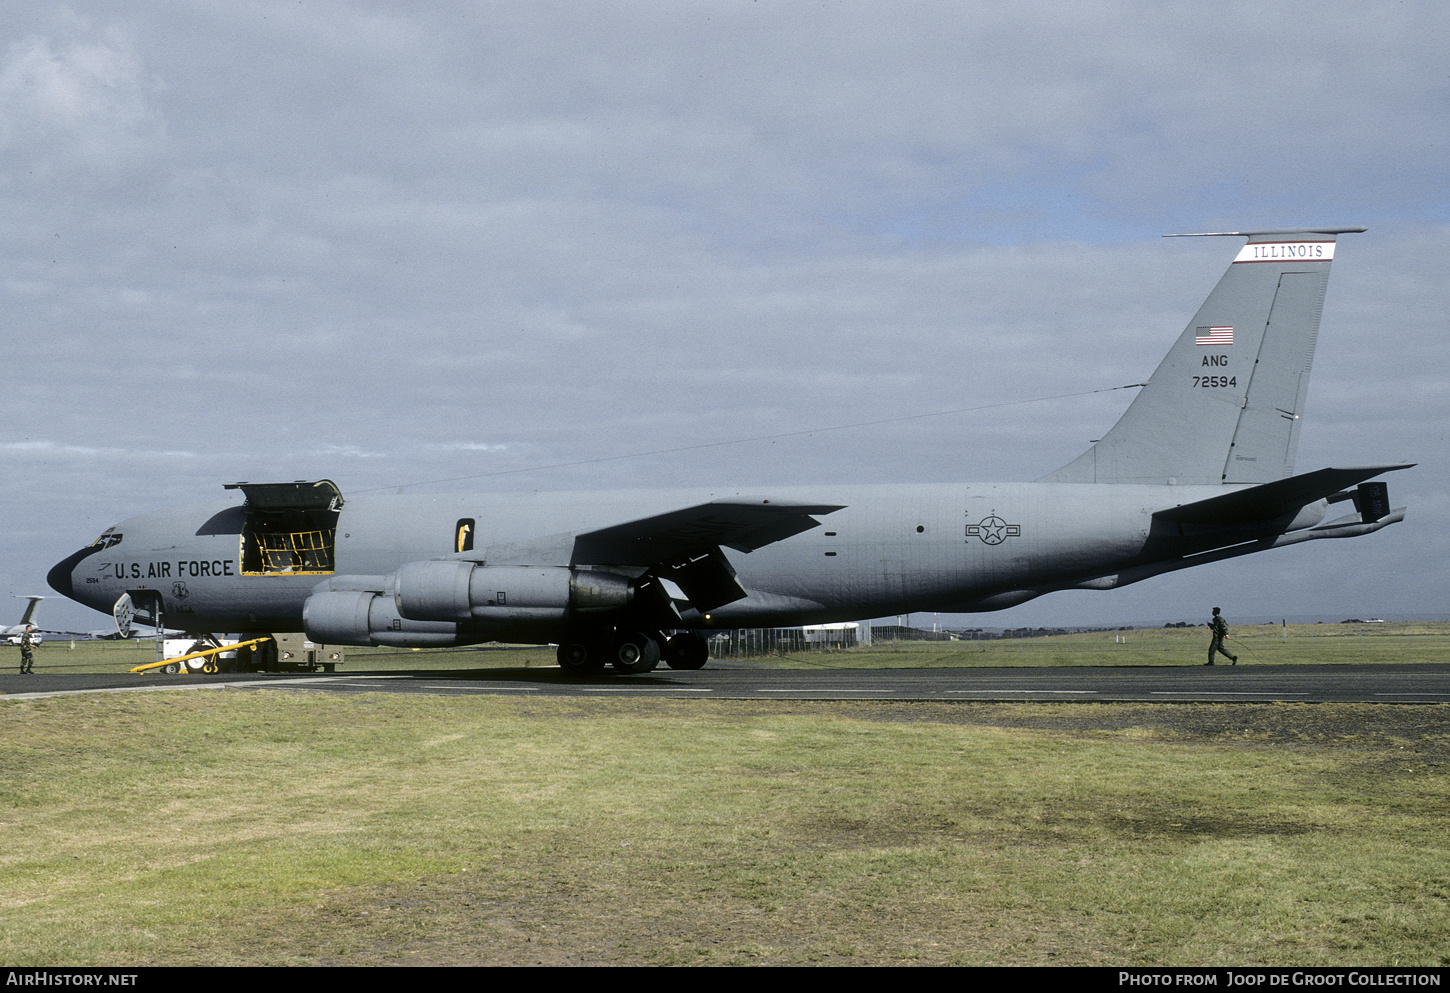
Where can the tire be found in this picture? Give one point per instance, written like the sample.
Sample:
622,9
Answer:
580,657
636,653
686,651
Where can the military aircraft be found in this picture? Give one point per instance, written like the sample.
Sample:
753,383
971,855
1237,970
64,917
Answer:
13,632
1200,468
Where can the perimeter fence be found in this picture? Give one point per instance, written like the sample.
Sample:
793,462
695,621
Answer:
1254,644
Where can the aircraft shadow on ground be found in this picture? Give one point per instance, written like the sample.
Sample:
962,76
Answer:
526,674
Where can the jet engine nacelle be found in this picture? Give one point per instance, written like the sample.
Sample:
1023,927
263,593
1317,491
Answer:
466,591
350,617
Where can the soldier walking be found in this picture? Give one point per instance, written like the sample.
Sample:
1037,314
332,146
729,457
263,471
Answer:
1219,627
27,649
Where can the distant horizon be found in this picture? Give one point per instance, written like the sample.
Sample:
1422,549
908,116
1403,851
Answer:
1251,620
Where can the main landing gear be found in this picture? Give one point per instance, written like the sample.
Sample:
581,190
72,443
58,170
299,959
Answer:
632,651
687,650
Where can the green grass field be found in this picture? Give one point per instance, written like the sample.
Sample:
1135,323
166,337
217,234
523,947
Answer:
283,827
271,827
1262,645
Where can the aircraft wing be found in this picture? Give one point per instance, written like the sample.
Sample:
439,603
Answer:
1269,500
743,525
683,547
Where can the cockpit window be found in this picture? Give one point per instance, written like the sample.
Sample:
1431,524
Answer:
108,539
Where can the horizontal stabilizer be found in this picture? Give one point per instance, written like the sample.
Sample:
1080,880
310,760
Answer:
1270,500
694,531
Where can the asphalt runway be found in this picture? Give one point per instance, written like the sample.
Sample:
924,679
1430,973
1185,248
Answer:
1396,683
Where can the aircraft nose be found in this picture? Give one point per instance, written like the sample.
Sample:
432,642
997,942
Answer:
61,574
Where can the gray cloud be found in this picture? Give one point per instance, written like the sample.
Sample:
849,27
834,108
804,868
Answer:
395,244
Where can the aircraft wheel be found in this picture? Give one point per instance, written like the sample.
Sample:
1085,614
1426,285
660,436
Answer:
686,651
172,668
195,666
580,656
636,653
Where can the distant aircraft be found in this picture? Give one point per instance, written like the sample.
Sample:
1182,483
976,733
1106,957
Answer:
1198,469
13,632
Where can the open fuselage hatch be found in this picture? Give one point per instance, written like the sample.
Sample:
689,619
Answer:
289,529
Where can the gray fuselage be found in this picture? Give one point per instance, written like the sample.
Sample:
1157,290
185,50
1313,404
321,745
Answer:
889,550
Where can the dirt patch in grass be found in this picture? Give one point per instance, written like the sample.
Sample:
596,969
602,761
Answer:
467,922
1347,727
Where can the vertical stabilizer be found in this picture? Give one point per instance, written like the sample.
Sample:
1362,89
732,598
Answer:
29,616
1224,405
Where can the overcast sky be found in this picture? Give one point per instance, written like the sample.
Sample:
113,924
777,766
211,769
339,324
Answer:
390,244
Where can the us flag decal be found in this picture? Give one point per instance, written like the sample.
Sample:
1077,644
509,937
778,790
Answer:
1215,336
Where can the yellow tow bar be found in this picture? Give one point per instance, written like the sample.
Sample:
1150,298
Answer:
211,663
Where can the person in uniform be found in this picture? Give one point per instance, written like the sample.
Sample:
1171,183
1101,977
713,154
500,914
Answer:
27,649
1219,627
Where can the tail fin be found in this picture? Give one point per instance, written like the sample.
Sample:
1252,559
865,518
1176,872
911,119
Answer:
30,608
1224,405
